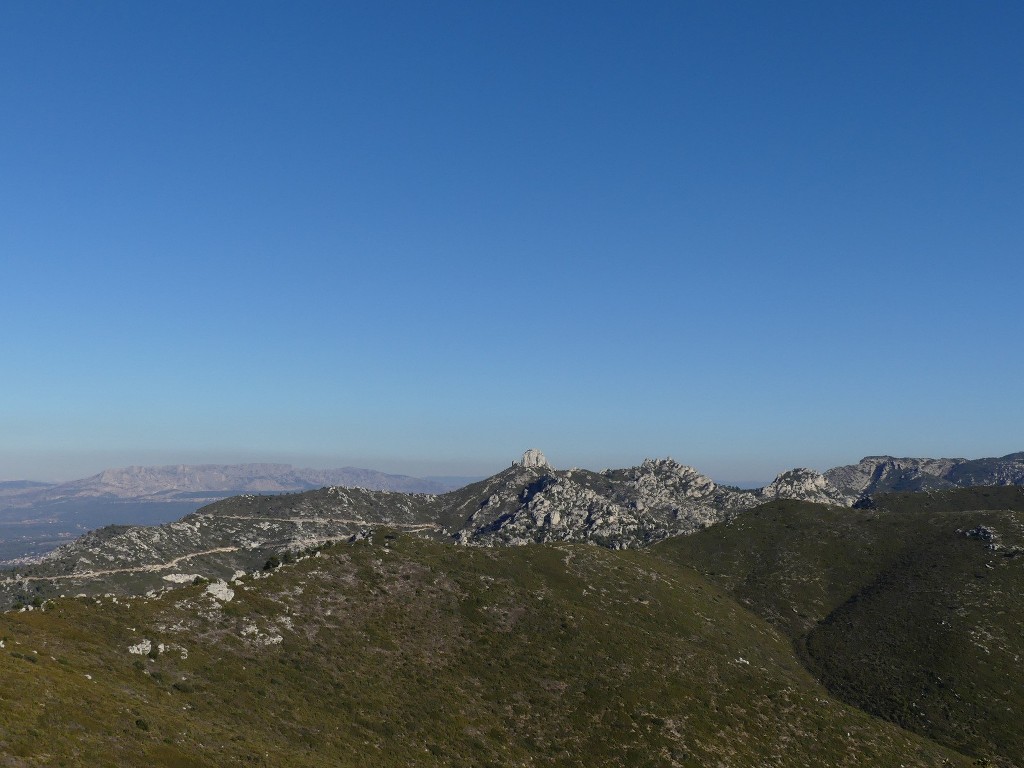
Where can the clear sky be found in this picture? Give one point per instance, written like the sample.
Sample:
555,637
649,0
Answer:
423,237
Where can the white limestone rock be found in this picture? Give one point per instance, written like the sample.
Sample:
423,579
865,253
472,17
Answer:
534,458
141,649
181,578
220,590
806,485
625,508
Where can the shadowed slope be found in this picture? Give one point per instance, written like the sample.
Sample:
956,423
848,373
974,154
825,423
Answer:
911,610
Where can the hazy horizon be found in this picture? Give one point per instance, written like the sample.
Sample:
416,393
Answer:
419,468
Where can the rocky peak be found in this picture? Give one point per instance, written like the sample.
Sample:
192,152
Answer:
806,485
619,508
535,458
887,474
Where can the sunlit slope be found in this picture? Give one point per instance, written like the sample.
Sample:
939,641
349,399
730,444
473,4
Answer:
912,610
403,651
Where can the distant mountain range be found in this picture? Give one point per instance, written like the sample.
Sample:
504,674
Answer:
528,502
36,517
206,481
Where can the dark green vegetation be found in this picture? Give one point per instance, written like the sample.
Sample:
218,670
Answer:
403,651
911,610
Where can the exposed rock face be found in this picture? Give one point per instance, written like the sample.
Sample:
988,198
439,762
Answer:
618,508
885,474
806,485
221,591
534,458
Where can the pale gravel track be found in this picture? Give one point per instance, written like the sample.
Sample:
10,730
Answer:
341,521
154,567
137,569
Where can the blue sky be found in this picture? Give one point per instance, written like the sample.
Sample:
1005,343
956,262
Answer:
422,237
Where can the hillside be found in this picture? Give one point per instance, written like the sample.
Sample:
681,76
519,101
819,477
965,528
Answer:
910,610
398,651
37,517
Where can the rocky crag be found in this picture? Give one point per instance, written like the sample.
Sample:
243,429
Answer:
856,483
887,474
806,485
532,502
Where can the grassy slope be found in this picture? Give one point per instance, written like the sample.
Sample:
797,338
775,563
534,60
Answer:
892,608
420,653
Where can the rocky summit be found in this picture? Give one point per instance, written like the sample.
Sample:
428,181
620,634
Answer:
616,508
887,474
806,485
534,458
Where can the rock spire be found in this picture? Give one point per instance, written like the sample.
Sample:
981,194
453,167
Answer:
534,458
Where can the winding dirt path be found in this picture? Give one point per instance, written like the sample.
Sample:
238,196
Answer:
154,567
137,569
